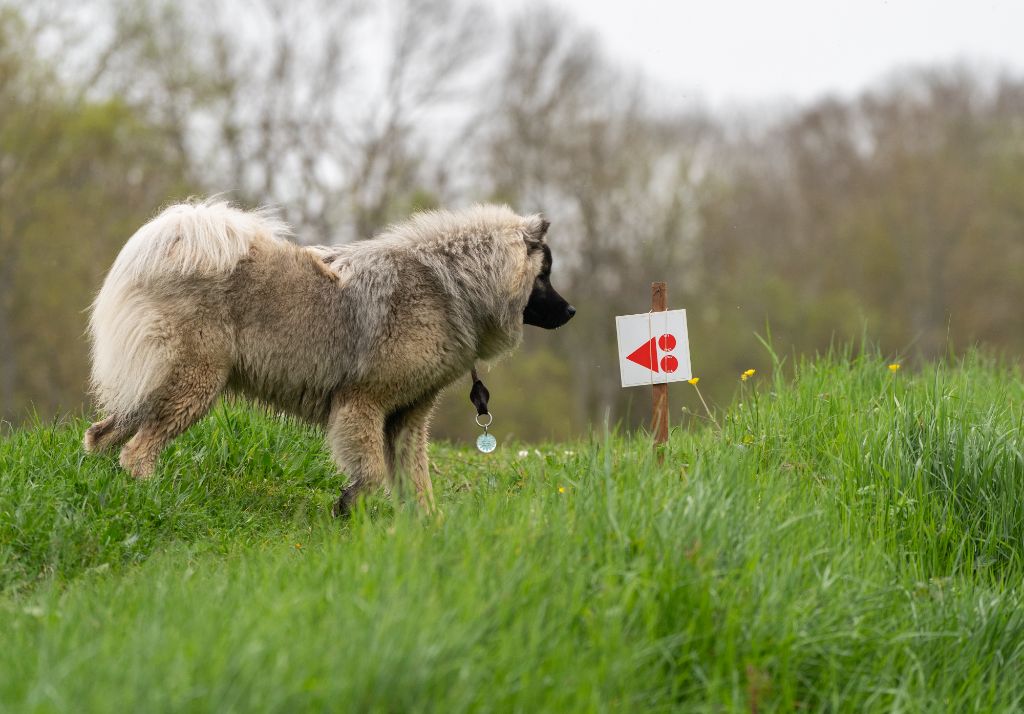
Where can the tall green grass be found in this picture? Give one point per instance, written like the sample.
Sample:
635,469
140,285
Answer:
849,540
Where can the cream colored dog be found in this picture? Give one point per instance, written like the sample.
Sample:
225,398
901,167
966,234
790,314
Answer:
358,338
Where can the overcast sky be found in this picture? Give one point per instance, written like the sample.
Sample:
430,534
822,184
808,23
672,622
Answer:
749,51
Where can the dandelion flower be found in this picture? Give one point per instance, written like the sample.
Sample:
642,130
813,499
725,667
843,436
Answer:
894,366
561,489
694,381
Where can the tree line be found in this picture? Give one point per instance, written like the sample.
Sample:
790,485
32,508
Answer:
897,213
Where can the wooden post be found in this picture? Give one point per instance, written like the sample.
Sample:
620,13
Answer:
659,419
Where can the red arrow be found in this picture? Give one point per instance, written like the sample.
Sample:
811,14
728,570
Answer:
646,355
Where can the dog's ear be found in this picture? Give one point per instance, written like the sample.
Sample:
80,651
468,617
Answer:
536,229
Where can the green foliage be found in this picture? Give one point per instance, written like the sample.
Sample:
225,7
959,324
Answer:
848,541
77,178
899,209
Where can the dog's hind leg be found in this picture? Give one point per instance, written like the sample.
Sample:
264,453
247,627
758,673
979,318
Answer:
407,435
355,434
179,403
110,432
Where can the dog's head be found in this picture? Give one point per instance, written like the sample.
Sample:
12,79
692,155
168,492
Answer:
545,308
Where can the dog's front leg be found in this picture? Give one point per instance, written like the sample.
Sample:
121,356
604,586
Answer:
408,434
355,434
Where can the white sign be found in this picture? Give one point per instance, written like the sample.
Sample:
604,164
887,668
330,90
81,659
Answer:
654,348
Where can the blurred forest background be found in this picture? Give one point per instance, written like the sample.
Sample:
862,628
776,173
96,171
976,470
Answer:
898,213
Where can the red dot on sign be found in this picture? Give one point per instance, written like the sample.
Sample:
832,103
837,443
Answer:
669,363
667,343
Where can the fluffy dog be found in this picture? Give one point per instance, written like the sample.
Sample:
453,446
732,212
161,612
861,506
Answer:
358,338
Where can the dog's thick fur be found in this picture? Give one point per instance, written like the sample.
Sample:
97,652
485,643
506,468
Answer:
359,338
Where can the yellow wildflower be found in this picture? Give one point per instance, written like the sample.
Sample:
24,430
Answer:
893,367
561,489
694,381
747,375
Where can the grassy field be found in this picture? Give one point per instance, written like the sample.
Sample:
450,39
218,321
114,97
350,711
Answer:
848,540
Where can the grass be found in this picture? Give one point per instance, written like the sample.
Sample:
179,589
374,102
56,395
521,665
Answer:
848,540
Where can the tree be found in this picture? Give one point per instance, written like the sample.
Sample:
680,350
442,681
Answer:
574,137
76,178
297,107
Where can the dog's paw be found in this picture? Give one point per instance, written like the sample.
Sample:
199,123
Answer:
98,436
89,442
140,467
339,509
346,503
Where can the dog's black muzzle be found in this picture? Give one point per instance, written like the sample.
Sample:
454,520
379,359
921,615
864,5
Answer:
546,307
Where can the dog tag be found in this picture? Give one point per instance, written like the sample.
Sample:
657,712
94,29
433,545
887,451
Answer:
486,443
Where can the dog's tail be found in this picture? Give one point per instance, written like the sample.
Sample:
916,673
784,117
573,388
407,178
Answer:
132,339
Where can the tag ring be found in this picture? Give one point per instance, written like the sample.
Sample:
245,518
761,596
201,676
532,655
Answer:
489,416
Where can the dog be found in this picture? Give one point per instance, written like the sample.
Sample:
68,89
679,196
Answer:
358,338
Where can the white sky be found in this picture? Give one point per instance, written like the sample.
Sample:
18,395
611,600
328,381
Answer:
750,51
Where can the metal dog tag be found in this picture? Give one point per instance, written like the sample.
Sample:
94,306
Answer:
486,443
